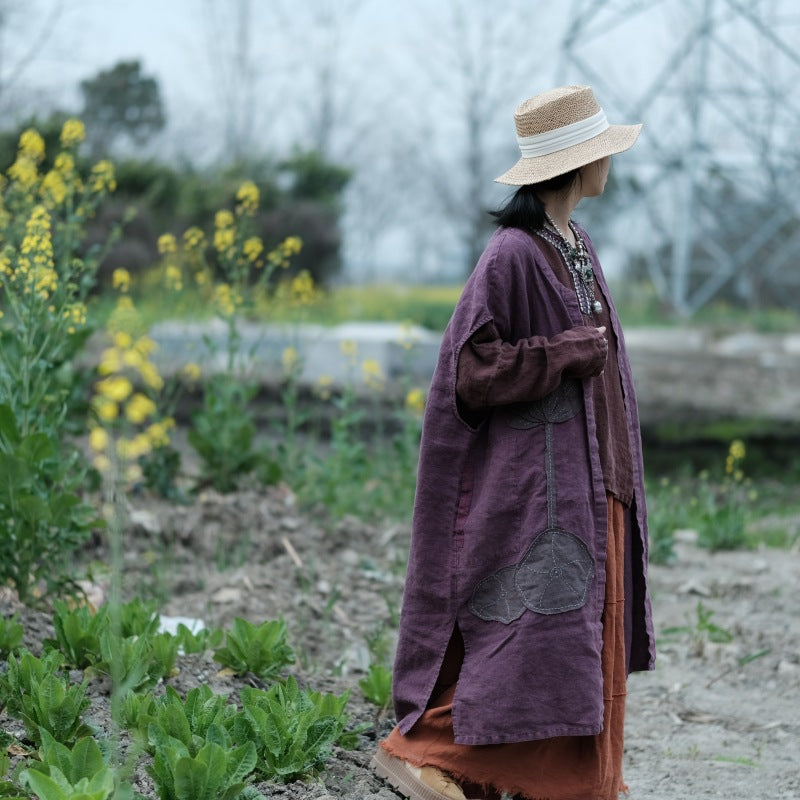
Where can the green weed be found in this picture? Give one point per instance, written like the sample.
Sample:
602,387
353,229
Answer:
700,630
262,649
34,692
294,730
11,634
377,685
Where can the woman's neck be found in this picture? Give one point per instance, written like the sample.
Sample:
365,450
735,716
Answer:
559,208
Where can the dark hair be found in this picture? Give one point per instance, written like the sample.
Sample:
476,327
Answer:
524,209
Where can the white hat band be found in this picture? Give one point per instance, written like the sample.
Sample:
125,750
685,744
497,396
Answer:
542,144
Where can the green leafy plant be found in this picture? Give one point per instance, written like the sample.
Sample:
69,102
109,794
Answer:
8,789
701,630
138,618
136,710
42,517
46,275
204,639
377,685
261,649
216,772
294,730
56,786
223,432
11,633
223,429
83,760
191,722
667,511
78,633
139,662
723,508
161,469
37,695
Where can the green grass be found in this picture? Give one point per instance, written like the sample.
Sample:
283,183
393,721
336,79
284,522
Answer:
428,306
431,306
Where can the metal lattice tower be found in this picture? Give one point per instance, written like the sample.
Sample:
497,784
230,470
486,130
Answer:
717,169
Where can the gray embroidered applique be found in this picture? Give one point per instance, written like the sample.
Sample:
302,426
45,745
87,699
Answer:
555,573
497,598
561,404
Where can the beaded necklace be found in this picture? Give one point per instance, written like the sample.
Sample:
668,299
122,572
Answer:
579,265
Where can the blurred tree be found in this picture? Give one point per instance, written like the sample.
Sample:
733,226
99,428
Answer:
477,60
119,103
314,178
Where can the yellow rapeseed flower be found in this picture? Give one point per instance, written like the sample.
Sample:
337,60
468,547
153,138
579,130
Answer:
102,463
201,277
64,164
110,361
370,366
253,248
292,245
24,172
31,145
139,408
173,278
132,358
224,239
289,358
224,299
737,449
98,439
115,387
167,244
53,189
136,447
76,314
105,408
194,239
157,432
302,289
348,348
415,401
372,373
73,132
145,345
151,376
247,198
191,371
133,473
102,177
122,339
223,219
121,279
324,384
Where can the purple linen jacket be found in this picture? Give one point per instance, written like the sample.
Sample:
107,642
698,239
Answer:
510,528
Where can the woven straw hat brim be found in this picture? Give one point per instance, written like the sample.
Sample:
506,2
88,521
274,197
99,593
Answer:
614,139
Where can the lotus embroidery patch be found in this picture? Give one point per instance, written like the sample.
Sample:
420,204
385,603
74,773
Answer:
556,571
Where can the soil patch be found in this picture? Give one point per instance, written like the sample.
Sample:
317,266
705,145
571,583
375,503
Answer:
713,720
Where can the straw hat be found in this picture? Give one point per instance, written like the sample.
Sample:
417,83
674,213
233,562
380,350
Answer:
561,130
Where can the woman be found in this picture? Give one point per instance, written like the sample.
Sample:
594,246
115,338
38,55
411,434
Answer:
526,601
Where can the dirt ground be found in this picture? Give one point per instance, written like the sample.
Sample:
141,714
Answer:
713,720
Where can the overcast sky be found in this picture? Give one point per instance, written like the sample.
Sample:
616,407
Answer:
397,88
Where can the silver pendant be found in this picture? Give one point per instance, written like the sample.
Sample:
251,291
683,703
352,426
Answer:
596,307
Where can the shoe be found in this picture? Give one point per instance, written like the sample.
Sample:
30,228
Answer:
416,783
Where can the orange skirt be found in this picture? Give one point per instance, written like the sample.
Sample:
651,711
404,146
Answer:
561,768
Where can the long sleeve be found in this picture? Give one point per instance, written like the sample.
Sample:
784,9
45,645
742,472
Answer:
492,372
